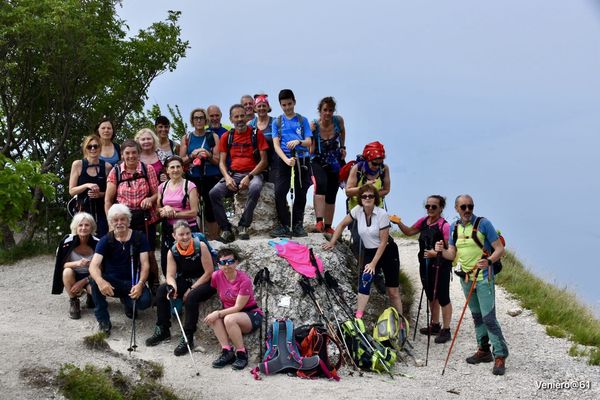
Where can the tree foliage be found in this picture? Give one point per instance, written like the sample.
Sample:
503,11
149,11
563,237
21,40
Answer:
66,63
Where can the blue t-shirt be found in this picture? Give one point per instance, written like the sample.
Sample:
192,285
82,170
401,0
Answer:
485,227
291,130
219,131
207,142
116,259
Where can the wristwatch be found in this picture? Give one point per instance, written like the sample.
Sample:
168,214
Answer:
489,261
250,176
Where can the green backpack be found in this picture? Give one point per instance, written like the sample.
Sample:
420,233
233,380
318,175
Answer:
392,329
368,353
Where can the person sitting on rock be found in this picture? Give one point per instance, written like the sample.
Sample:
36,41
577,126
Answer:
72,261
247,150
240,314
189,269
120,268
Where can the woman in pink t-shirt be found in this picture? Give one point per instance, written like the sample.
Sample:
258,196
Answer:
240,313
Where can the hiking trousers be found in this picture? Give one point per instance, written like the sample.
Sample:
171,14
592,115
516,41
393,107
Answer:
483,310
220,191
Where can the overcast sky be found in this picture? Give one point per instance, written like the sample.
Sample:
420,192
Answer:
497,99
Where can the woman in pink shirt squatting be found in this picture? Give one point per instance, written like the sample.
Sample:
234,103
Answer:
240,313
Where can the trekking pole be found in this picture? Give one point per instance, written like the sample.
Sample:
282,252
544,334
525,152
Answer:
418,313
461,318
202,214
266,282
427,309
292,179
134,280
170,291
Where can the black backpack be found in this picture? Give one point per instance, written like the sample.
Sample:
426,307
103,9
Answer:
498,264
253,139
135,176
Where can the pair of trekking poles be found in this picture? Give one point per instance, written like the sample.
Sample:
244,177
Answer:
262,280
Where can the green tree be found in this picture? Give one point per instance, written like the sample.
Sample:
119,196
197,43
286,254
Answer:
66,63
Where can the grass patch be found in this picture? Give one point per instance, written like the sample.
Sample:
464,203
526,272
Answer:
556,308
92,383
97,341
39,377
25,250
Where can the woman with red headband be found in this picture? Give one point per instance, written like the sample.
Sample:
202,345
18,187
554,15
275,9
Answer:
263,122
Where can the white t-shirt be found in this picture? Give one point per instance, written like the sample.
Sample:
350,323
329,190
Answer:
369,234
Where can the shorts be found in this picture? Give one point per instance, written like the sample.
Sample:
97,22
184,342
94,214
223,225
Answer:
80,274
255,318
389,263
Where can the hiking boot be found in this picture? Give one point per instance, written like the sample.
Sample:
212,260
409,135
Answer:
241,360
105,327
181,348
499,366
227,357
74,308
89,301
443,336
226,237
379,282
320,227
435,329
481,356
299,231
160,333
280,231
243,233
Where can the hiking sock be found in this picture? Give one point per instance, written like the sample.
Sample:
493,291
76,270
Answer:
359,314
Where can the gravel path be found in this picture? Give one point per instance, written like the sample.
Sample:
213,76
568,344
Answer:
35,331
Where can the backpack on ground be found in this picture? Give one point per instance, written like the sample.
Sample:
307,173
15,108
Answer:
282,353
368,354
314,339
197,237
497,266
391,329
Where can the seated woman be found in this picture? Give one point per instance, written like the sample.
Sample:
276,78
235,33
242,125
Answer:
189,269
373,225
240,313
72,262
177,199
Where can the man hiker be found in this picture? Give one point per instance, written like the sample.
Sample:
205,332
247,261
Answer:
214,120
247,151
291,140
476,263
247,102
120,268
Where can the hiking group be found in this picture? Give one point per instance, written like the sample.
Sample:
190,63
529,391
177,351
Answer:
123,193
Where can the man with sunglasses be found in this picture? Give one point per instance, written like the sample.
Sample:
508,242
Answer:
470,257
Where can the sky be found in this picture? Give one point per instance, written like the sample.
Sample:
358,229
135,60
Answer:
496,99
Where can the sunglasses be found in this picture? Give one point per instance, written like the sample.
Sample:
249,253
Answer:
465,206
227,261
367,196
377,164
431,206
92,146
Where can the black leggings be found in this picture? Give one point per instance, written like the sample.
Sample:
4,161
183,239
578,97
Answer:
192,305
389,263
442,293
326,181
282,187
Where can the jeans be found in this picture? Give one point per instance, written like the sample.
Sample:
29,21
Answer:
121,290
221,191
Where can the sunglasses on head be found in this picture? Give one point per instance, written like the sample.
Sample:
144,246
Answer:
367,196
431,206
227,261
465,206
92,146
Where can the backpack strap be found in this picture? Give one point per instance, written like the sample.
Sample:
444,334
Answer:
172,146
186,194
475,230
162,193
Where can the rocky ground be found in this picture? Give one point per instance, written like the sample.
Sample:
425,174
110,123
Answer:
35,332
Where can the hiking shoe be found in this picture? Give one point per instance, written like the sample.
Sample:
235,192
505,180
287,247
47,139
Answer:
227,357
481,356
299,231
181,348
105,327
243,233
435,329
379,282
160,333
443,336
320,227
280,231
499,366
74,308
226,237
241,360
89,301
